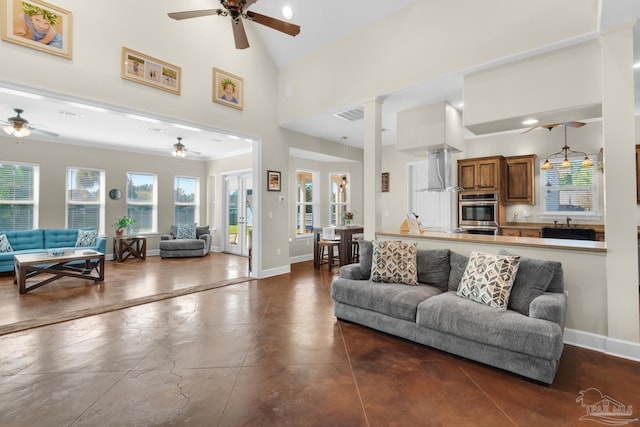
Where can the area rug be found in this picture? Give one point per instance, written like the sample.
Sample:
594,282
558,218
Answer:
72,315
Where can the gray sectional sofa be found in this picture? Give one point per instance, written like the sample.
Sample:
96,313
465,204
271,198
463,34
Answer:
526,338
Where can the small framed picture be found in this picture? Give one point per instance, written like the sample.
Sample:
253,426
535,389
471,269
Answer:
228,89
38,25
273,181
144,69
385,182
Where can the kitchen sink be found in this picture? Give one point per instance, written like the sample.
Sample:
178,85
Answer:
574,233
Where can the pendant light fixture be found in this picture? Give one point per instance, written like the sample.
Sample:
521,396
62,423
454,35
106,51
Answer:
566,152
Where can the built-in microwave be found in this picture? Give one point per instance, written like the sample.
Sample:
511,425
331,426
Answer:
478,210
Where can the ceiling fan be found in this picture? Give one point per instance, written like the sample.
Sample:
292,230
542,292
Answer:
19,127
551,126
179,149
237,9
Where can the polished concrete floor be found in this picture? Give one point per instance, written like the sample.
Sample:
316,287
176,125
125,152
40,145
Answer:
264,352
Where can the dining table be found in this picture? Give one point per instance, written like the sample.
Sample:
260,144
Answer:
346,233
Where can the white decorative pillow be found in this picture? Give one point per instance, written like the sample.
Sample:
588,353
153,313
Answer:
4,244
186,231
488,279
86,238
394,262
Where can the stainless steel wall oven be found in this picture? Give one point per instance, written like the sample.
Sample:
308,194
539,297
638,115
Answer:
478,212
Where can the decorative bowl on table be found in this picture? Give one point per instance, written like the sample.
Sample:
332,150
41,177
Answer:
57,251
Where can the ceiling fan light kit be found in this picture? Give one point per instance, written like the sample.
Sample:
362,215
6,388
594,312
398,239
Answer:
566,152
179,150
237,10
17,126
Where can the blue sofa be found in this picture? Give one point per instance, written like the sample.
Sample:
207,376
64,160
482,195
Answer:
40,240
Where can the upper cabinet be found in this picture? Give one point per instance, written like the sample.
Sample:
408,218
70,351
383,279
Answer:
519,180
482,174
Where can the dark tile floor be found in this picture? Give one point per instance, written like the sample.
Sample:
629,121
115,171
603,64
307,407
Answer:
264,352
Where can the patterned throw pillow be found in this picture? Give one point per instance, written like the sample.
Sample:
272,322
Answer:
488,279
394,262
186,231
86,238
4,244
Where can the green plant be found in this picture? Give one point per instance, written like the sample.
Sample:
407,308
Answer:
123,222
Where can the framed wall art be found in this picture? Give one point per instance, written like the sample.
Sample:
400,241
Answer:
37,25
273,180
147,70
228,89
385,182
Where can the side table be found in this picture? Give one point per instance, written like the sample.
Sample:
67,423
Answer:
129,247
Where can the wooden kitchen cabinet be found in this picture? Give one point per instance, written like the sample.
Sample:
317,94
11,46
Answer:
519,180
519,232
480,173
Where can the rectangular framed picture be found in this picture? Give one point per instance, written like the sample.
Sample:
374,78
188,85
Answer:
37,25
385,182
228,89
273,181
147,70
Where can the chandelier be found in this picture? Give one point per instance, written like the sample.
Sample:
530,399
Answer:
566,152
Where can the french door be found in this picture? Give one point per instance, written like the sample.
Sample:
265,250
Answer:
238,190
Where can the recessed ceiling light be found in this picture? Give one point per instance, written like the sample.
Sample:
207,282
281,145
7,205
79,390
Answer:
156,130
144,119
186,127
460,104
529,122
287,12
69,113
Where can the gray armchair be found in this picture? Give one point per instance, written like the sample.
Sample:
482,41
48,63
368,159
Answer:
172,247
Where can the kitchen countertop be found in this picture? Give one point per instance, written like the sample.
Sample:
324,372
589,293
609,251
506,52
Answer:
563,244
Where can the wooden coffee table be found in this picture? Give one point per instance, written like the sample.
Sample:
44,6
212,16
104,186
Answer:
79,263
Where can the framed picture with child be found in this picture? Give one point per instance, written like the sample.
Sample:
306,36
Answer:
37,25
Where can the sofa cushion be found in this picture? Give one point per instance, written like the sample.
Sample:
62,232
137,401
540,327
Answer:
433,267
60,237
532,280
366,252
186,231
26,239
173,230
86,238
202,230
488,279
458,264
182,244
450,314
400,302
394,262
5,246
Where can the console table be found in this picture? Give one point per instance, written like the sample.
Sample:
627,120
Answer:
129,247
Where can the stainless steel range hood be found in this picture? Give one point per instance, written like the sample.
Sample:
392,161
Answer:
438,172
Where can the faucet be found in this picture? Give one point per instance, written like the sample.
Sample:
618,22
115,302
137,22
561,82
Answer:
568,221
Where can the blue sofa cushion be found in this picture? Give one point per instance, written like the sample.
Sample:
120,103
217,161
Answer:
25,239
86,238
5,246
60,237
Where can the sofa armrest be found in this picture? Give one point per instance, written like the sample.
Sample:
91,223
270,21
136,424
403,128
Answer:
207,239
101,244
350,271
549,306
166,237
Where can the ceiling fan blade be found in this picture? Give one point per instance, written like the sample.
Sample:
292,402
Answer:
194,13
239,34
276,24
574,124
44,132
529,130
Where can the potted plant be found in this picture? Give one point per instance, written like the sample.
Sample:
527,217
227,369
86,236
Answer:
122,223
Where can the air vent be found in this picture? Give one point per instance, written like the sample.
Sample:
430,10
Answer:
352,115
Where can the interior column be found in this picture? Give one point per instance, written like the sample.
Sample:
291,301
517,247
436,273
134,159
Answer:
372,166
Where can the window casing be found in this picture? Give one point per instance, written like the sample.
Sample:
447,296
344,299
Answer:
186,200
19,196
142,201
339,197
85,201
571,191
306,190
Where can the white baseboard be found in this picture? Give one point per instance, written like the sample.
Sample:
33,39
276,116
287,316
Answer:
301,258
611,346
285,269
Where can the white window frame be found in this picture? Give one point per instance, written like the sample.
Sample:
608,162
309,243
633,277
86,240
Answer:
212,195
313,203
36,192
346,204
154,203
196,201
100,202
594,190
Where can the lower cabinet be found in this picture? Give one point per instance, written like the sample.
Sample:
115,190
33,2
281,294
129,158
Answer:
517,232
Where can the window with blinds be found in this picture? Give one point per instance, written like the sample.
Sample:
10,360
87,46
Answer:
571,191
85,198
142,201
19,193
186,201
